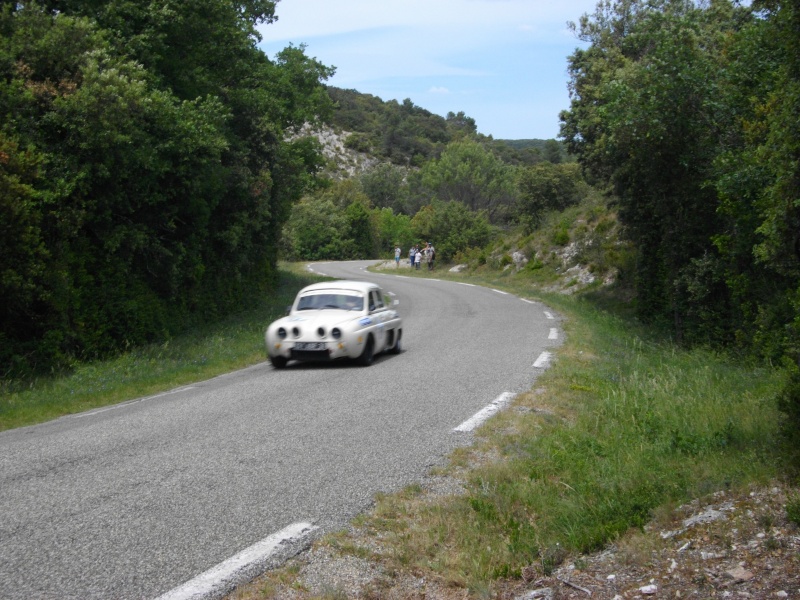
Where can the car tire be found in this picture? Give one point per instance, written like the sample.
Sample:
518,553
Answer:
398,345
368,355
279,362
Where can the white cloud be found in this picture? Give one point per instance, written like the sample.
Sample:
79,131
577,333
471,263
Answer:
438,90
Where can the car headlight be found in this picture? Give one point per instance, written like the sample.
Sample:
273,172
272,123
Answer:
321,332
281,333
296,332
336,333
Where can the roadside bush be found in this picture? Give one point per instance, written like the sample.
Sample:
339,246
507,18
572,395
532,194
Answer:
472,257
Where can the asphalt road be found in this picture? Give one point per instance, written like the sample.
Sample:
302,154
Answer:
132,501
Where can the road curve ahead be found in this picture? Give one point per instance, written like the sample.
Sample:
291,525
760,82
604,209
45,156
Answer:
134,501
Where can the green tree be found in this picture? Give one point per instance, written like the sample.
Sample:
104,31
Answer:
451,227
316,231
394,229
386,187
337,223
552,152
461,123
468,173
545,187
645,117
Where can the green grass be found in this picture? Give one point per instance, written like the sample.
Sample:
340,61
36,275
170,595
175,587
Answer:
622,424
232,344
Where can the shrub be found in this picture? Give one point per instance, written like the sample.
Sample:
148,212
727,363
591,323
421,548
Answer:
561,236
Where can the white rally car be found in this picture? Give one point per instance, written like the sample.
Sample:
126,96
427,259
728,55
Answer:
335,319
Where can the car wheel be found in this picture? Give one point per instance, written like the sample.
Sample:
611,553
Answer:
279,362
368,354
398,345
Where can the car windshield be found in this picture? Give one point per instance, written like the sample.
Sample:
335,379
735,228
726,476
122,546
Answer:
330,300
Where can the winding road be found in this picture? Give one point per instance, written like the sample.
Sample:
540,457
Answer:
135,500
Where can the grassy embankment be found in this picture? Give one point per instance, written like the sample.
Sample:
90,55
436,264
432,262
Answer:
622,425
232,344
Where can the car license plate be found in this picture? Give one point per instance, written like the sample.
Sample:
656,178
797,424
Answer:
309,346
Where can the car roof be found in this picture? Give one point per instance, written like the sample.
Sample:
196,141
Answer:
341,284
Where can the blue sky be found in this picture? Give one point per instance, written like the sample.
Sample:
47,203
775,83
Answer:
502,62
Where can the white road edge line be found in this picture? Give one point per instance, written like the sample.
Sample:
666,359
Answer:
499,291
478,418
218,580
528,301
543,360
548,315
553,334
129,402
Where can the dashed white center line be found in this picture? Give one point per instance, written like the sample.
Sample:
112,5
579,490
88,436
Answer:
221,579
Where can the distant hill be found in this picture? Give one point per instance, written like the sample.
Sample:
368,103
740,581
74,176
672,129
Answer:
409,135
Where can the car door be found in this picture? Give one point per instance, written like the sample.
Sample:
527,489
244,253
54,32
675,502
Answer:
379,317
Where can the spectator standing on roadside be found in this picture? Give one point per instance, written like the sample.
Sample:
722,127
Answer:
418,258
397,253
412,252
431,256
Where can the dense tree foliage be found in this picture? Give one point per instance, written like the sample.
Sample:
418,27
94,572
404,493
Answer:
452,227
144,178
546,187
468,173
690,111
386,187
337,223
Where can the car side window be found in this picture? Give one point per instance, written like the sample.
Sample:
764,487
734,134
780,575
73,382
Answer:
375,300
